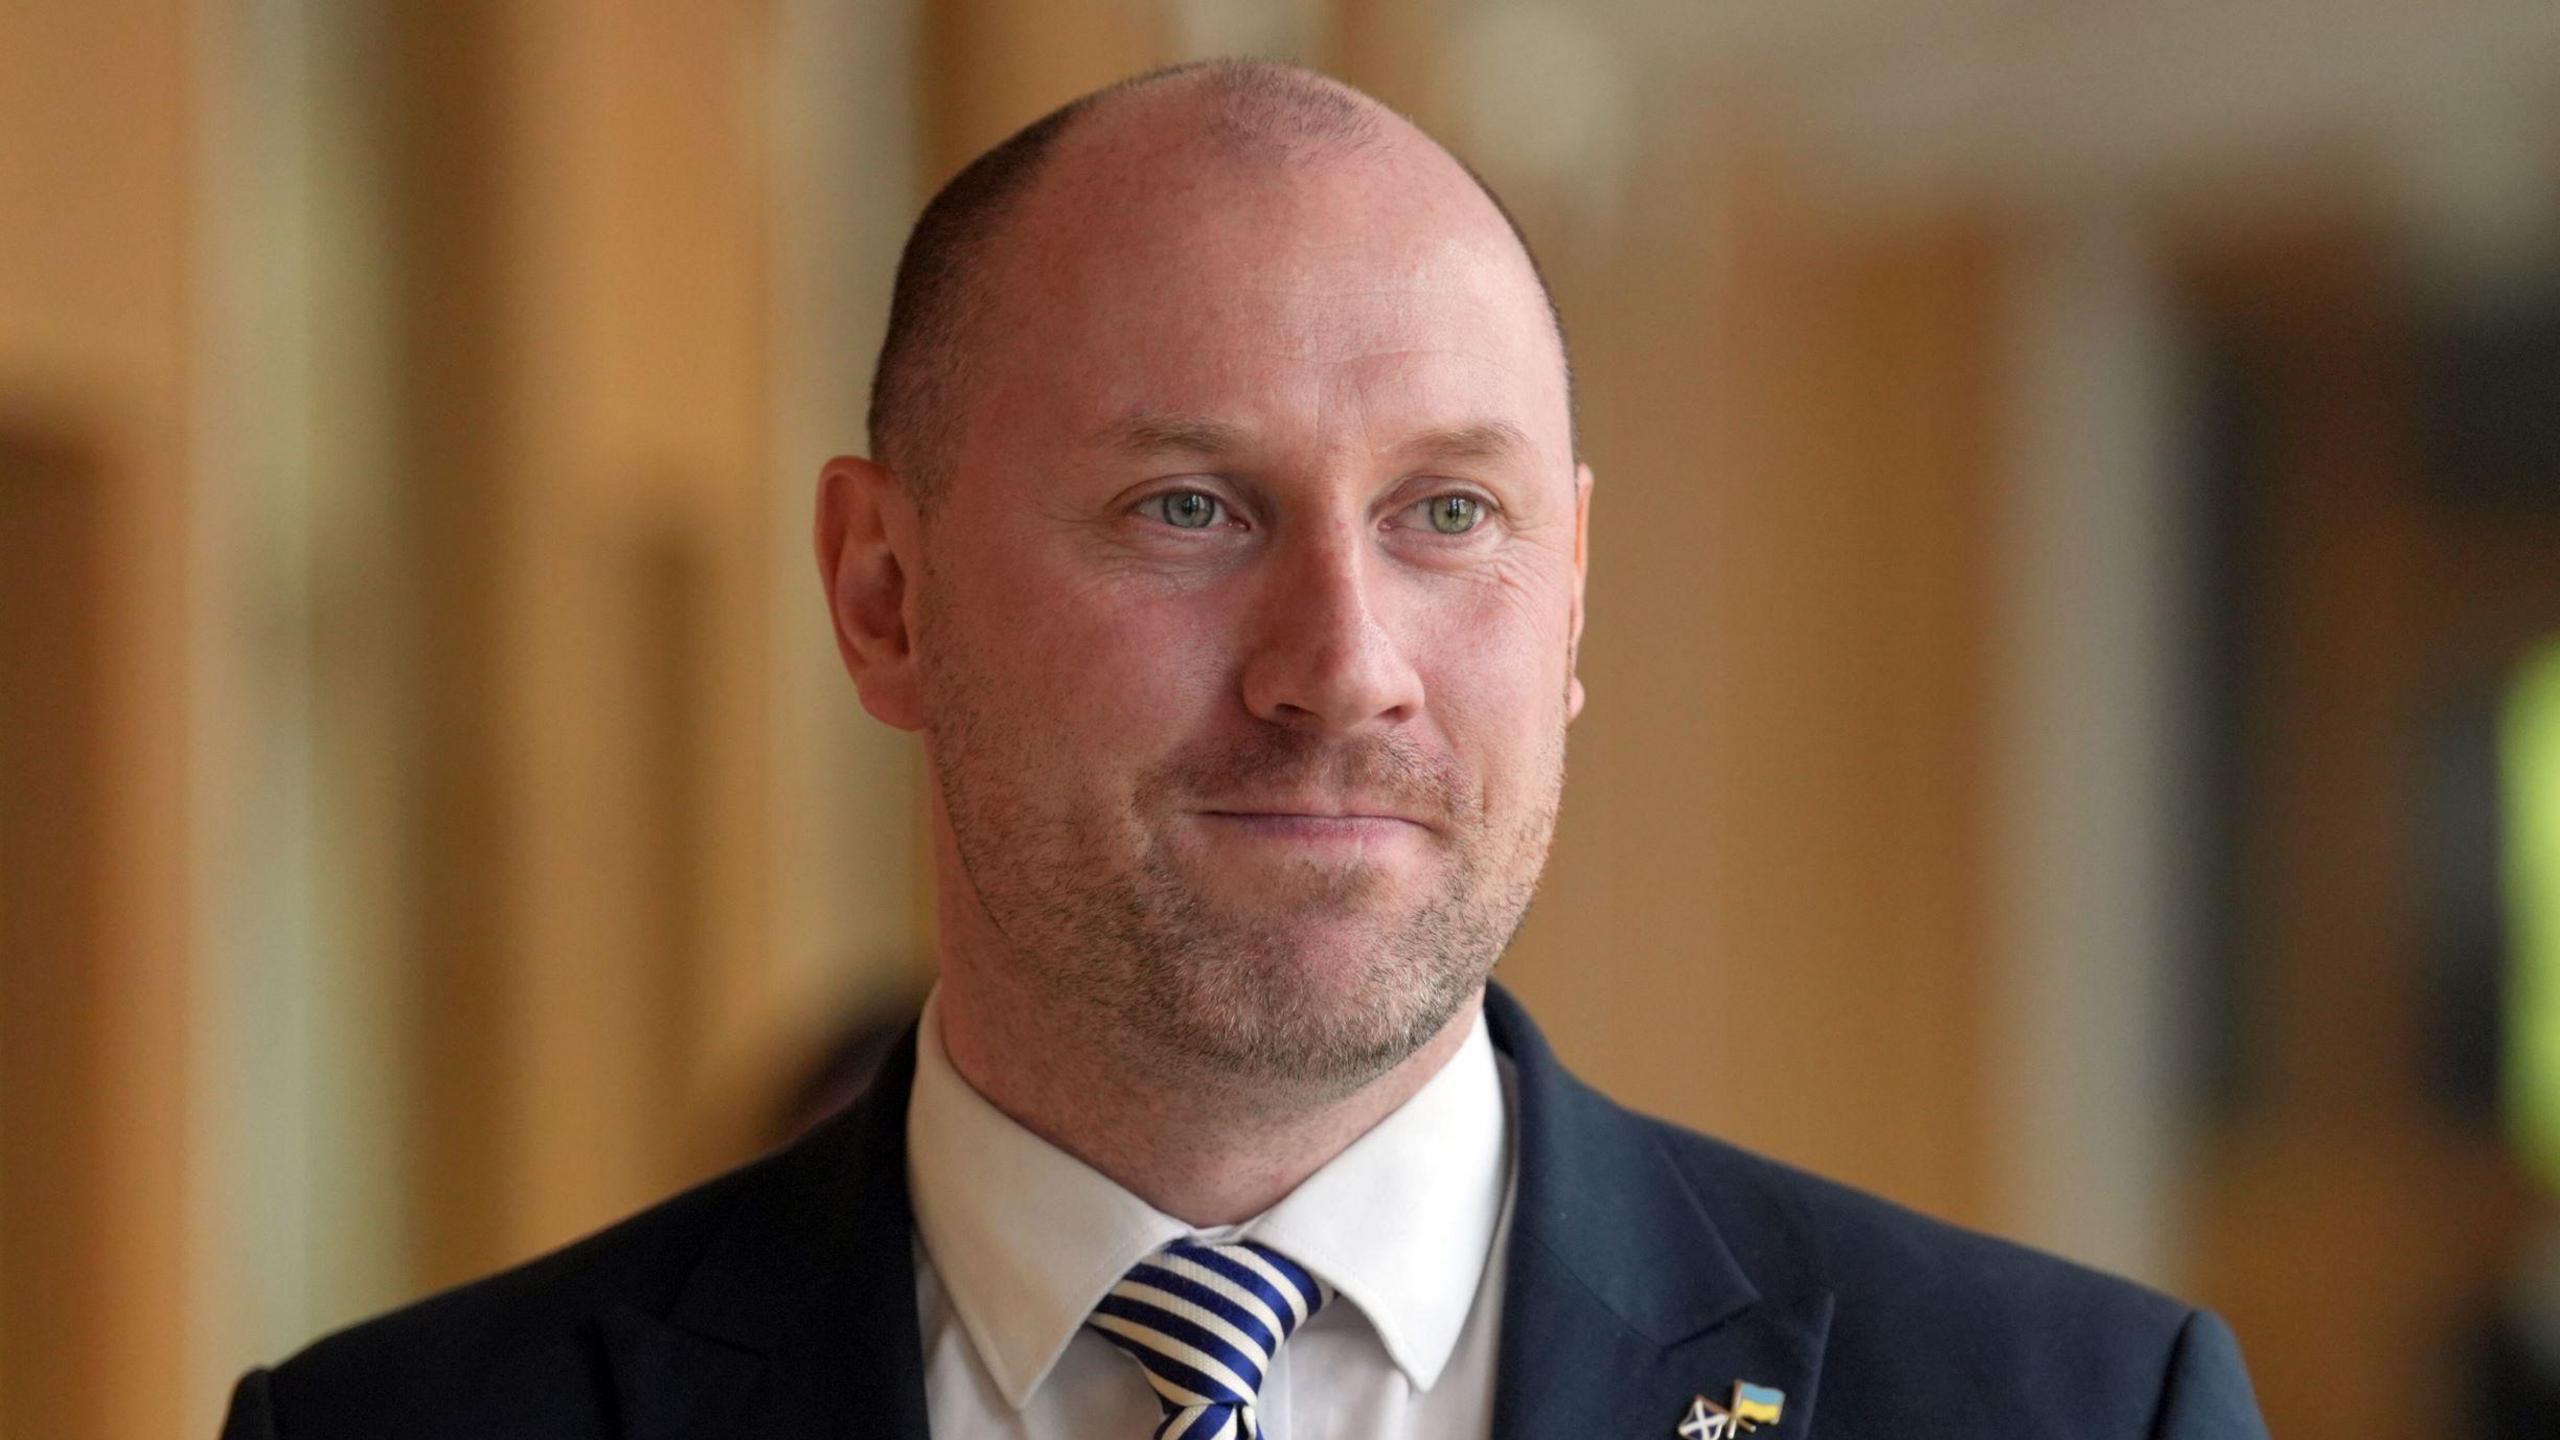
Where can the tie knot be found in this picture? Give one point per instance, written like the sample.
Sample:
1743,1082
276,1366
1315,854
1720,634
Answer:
1204,1322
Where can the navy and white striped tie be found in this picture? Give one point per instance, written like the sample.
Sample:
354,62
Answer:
1204,1322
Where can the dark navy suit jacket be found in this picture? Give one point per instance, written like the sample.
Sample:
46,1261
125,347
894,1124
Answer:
1648,1265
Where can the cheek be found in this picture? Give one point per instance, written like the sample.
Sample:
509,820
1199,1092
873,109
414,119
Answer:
1097,669
1497,716
1494,669
1500,635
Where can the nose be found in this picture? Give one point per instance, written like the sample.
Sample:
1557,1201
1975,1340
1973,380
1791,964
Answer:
1325,655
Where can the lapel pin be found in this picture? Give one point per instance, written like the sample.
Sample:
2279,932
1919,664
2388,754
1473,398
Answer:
1753,1406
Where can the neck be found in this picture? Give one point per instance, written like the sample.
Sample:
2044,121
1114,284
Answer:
1206,1156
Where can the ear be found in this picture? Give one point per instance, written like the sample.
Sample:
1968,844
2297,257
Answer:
868,555
1581,572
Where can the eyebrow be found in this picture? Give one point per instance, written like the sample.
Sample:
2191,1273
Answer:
1480,440
1148,433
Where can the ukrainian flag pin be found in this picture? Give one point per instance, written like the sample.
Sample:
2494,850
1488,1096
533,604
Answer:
1752,1407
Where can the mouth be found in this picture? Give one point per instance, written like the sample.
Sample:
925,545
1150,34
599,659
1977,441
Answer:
1312,826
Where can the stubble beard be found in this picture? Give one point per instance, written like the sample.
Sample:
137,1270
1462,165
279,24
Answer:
1117,935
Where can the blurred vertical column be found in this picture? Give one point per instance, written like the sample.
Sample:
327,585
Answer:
95,890
302,695
2094,1040
850,896
1805,554
1397,52
2364,605
536,600
635,652
583,413
993,66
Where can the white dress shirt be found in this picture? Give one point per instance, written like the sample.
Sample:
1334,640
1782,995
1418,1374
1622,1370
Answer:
1017,1241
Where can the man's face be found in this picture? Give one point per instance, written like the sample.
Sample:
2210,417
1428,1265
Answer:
1248,608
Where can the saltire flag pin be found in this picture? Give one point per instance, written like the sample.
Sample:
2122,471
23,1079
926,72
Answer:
1753,1406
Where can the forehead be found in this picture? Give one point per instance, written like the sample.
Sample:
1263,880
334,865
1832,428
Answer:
1347,291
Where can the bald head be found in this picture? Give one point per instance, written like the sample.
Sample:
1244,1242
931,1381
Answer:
1148,131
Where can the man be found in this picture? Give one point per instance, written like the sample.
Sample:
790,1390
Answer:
1224,540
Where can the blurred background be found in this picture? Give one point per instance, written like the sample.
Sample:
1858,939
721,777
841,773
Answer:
2074,653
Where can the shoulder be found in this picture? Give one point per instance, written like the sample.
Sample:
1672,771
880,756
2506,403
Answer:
1903,1315
519,1352
1923,1307
1811,1230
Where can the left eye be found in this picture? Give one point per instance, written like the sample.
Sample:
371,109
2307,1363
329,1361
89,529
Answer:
1187,509
1451,514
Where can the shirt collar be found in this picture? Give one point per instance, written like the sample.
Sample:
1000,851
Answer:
1026,1239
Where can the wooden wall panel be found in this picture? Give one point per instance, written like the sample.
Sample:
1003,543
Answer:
993,66
55,892
95,306
2368,599
1769,906
445,121
584,390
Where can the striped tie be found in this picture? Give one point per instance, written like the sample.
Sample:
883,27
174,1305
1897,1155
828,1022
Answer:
1204,1322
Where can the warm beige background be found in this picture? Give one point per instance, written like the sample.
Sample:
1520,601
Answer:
436,824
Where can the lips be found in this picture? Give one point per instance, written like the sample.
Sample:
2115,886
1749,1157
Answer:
1316,812
1357,832
1274,776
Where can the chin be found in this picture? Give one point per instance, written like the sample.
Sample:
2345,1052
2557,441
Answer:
1342,964
1328,1003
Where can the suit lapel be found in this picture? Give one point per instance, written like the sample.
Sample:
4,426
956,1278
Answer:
799,1322
1622,1301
